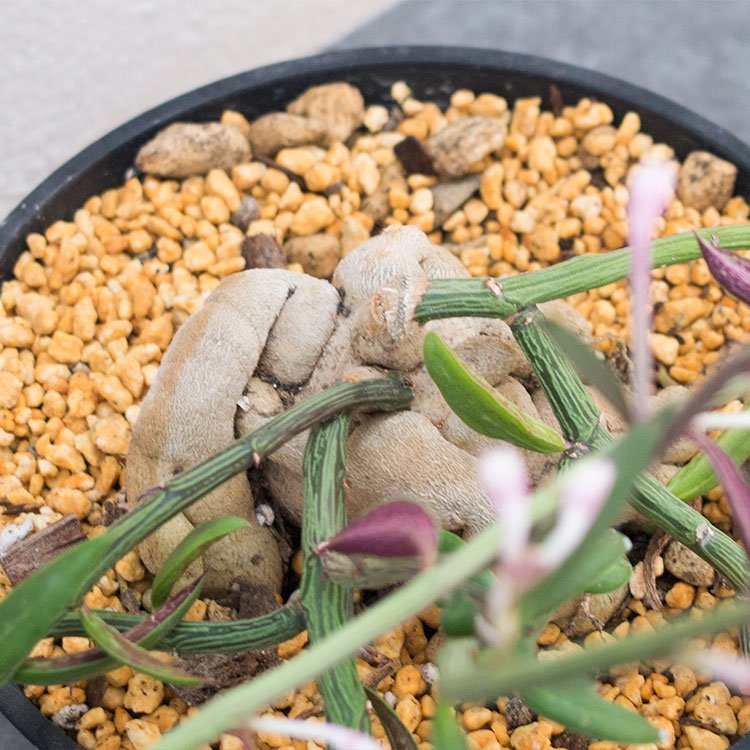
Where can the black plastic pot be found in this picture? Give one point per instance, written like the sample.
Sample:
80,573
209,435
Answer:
432,72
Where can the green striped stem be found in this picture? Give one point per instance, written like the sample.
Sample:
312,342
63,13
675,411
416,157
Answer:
64,581
327,605
237,705
451,298
581,422
225,636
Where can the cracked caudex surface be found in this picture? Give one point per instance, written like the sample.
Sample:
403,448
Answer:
228,364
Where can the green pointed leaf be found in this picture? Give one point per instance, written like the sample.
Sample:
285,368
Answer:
580,571
399,737
147,633
189,550
593,371
446,734
579,708
480,406
458,615
611,579
697,477
449,542
116,645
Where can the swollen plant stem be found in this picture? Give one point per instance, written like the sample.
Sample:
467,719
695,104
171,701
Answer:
64,581
234,707
450,298
580,420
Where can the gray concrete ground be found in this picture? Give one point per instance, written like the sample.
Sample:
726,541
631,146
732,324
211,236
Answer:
696,52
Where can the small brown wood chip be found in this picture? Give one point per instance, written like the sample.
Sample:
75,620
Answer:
263,251
24,557
413,156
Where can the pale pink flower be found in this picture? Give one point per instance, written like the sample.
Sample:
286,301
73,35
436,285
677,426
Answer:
732,670
522,563
651,190
506,482
338,737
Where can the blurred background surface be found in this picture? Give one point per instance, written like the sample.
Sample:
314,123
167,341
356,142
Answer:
71,70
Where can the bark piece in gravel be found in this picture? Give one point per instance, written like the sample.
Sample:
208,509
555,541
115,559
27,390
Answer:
337,107
570,741
413,156
184,149
95,690
277,130
24,557
460,145
556,103
221,671
263,251
684,564
448,197
248,211
67,717
705,180
518,714
378,205
318,253
589,612
655,547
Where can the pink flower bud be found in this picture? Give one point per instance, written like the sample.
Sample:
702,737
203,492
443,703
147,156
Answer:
399,529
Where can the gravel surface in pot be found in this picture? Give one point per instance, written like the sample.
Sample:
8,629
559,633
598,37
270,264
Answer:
95,302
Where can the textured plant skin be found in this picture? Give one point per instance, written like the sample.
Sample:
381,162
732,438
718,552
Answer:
326,604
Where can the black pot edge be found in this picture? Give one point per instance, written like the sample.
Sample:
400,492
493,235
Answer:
24,218
31,728
724,143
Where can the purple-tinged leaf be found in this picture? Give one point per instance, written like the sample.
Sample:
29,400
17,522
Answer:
400,529
732,482
651,190
337,737
396,732
116,645
94,661
730,270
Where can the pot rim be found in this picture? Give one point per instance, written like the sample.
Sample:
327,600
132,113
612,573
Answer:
725,144
29,215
